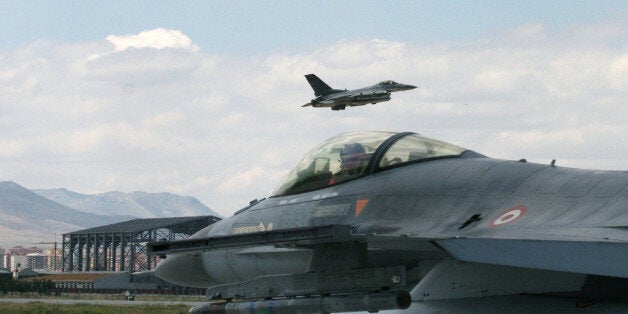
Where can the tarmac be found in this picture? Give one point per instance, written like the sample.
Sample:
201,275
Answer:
105,302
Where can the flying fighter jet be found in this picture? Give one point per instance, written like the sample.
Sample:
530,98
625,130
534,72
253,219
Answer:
374,221
338,99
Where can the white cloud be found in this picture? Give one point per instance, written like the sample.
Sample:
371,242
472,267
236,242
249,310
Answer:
157,38
242,179
619,72
10,147
167,116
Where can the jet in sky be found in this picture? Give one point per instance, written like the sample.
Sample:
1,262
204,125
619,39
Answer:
338,99
374,221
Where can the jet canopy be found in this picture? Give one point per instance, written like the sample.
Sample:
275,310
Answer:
389,82
353,155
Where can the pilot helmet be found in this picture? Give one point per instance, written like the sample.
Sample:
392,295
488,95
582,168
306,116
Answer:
352,156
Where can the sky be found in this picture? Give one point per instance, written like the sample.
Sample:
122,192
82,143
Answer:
203,98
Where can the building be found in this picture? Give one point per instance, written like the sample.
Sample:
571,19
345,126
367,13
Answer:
5,274
18,262
36,261
112,282
91,281
26,273
53,259
122,246
2,258
17,257
6,261
20,250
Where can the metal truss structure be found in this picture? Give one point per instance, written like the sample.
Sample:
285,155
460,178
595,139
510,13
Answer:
122,246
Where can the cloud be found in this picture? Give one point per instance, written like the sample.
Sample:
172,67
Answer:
156,38
153,112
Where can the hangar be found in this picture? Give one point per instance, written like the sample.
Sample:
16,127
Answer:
121,246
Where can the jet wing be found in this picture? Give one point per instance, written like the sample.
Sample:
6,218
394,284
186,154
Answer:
600,251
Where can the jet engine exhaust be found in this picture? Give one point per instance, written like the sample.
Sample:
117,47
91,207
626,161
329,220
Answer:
371,302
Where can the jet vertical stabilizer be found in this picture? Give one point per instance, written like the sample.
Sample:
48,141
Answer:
320,88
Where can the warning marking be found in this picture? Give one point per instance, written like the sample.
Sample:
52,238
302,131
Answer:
359,206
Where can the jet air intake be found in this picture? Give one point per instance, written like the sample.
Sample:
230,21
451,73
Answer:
371,302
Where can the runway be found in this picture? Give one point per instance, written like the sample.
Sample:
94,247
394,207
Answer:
101,302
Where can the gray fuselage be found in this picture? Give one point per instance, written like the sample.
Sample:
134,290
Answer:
452,198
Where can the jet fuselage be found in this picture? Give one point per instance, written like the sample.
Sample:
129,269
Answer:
338,99
432,199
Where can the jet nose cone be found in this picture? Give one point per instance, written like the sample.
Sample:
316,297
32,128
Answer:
402,87
184,269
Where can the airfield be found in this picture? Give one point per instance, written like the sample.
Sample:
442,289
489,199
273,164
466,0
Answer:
29,305
100,302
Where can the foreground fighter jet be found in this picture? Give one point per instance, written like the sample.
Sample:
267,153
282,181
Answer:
373,221
338,99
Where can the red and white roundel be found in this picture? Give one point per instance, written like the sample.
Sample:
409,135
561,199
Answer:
509,216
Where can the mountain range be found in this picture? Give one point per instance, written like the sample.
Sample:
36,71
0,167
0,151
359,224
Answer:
140,204
27,217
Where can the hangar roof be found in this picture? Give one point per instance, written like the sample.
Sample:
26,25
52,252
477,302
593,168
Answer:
176,224
84,277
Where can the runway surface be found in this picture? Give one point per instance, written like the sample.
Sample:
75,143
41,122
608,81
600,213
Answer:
105,302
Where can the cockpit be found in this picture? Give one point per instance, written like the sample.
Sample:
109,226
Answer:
389,82
353,155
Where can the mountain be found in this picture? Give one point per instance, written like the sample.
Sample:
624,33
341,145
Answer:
141,204
26,217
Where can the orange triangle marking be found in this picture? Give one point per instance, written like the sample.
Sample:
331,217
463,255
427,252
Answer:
359,206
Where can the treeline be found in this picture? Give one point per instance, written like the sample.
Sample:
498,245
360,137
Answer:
40,286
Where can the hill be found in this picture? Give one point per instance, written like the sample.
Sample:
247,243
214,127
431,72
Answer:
28,217
140,204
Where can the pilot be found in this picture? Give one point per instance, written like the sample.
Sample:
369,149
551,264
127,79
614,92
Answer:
353,160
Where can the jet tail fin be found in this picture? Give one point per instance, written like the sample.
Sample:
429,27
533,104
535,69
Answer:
320,88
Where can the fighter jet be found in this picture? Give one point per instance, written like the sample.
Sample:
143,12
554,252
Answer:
376,221
338,99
